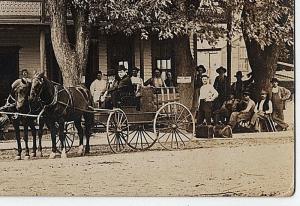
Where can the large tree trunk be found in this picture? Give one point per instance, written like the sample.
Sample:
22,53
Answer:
184,65
72,61
263,61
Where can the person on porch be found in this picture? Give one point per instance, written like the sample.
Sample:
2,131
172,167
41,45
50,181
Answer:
156,81
278,96
137,83
205,103
169,82
98,88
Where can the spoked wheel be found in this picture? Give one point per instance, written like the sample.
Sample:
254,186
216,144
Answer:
70,132
117,131
174,126
141,137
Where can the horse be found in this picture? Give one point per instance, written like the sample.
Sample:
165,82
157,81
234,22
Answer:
20,104
63,104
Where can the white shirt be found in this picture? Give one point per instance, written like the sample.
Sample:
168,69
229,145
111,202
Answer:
260,107
208,93
137,80
97,88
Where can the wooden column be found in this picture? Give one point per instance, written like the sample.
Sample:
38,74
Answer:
42,51
142,58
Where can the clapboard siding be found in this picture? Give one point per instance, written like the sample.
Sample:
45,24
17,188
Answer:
28,41
147,60
103,54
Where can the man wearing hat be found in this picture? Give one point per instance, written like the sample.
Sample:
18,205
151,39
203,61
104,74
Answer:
278,96
238,87
207,95
200,70
244,114
263,109
156,81
221,85
121,87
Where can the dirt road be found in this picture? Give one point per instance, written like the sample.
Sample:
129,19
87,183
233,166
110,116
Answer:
247,167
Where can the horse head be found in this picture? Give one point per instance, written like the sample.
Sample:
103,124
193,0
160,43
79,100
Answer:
20,91
36,86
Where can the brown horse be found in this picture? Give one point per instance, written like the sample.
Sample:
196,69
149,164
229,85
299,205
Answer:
62,105
18,103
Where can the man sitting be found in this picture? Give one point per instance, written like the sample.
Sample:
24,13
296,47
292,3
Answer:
121,87
262,111
229,106
244,114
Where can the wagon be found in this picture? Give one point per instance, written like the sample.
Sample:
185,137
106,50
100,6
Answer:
161,119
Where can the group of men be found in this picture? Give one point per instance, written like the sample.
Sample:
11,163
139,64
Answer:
231,104
125,84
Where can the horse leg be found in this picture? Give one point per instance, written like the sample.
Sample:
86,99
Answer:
89,118
16,125
80,134
62,139
40,134
33,132
26,140
53,131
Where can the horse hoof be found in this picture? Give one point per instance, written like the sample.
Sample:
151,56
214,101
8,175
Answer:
27,157
52,155
63,154
33,154
18,157
80,150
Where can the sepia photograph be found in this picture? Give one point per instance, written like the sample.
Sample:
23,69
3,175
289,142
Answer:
147,98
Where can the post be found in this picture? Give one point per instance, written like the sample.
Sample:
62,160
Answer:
229,46
42,51
141,58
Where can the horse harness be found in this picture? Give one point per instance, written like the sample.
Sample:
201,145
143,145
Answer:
70,102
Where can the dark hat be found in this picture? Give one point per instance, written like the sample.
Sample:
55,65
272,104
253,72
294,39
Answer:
274,80
220,70
238,74
122,67
99,72
246,93
201,67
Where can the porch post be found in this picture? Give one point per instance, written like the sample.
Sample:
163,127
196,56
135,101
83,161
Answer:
42,51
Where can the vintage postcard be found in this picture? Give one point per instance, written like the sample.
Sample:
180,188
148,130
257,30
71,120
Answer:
151,98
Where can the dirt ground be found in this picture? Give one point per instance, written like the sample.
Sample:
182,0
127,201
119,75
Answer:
260,166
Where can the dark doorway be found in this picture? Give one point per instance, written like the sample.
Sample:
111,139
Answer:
120,51
9,70
93,63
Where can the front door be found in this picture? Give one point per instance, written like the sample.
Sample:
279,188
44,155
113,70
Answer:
9,67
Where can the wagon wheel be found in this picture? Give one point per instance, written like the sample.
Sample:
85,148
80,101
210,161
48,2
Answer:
174,125
141,137
70,133
117,130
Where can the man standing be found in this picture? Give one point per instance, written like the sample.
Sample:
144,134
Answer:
137,83
207,95
98,88
278,97
238,87
220,85
244,114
